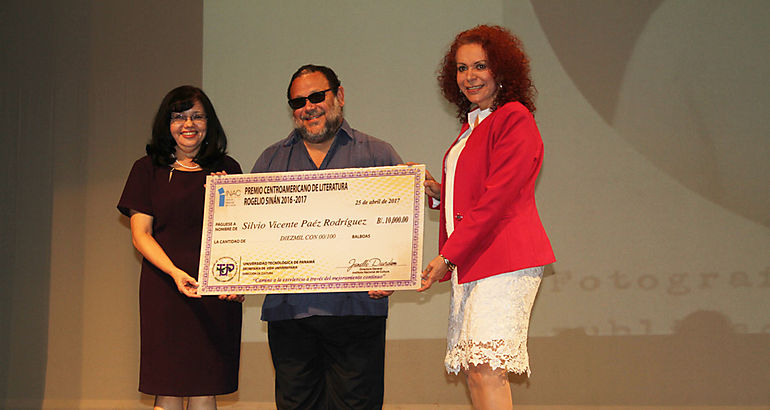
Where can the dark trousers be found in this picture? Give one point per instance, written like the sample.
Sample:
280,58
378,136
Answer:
328,362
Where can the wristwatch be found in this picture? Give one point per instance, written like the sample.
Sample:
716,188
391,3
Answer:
449,264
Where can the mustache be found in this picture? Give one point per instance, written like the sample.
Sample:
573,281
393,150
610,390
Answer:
312,113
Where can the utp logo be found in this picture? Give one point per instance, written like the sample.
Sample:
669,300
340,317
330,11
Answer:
225,269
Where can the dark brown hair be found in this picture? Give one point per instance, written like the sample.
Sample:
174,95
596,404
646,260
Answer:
162,145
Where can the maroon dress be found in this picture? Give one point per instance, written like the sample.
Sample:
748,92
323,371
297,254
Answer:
189,347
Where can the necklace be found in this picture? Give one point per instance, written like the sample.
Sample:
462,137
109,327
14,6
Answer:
196,166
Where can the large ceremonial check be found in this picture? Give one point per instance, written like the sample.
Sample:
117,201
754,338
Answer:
336,230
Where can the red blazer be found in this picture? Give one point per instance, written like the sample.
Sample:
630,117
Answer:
497,227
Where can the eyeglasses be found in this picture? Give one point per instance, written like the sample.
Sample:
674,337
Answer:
315,98
179,118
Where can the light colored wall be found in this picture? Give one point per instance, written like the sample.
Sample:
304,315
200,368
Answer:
639,186
654,187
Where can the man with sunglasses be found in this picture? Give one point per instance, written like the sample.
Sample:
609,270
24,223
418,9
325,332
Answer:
328,349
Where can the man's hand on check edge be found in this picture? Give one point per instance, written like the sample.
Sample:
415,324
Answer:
379,294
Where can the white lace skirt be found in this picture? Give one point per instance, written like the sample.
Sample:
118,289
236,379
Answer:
489,320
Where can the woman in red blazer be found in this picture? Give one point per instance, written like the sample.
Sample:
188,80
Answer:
492,244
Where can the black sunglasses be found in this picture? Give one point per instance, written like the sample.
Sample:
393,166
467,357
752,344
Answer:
315,98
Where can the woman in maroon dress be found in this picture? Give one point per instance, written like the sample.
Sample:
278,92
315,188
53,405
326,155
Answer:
190,345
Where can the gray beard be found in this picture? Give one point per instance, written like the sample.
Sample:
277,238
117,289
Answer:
333,123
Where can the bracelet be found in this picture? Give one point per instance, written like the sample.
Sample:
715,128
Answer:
449,264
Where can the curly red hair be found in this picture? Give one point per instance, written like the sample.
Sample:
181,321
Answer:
507,62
